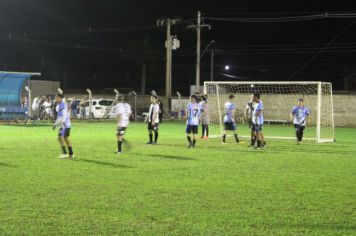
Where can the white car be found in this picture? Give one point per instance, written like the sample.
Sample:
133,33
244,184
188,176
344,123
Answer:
99,108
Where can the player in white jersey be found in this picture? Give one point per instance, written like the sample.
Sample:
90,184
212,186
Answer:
153,120
193,113
248,116
123,113
258,120
300,116
205,117
230,118
63,120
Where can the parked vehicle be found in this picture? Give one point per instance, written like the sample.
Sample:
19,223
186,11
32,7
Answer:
99,108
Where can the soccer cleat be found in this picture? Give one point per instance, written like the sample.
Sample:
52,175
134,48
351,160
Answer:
264,144
223,143
149,142
117,152
154,143
71,157
63,156
190,145
202,137
206,138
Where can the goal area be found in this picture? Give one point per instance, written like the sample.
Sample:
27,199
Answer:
278,99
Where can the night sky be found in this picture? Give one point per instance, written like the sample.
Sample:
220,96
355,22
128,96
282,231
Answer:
103,44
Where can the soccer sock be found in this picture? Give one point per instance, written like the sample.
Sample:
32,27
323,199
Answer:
156,137
237,138
301,135
207,131
259,143
253,141
203,130
70,149
151,137
224,138
194,141
64,150
189,139
119,146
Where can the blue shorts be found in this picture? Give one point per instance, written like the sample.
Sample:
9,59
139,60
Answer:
64,132
191,129
257,128
230,126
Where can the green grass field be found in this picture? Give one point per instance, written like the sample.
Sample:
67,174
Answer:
171,190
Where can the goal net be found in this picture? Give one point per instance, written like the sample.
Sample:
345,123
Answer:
278,99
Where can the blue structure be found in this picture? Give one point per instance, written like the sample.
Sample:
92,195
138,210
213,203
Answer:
12,93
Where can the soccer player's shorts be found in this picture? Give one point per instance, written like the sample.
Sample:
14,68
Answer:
192,129
121,130
257,127
153,127
230,126
298,127
64,132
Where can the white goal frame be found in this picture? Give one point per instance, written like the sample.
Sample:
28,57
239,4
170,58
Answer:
319,99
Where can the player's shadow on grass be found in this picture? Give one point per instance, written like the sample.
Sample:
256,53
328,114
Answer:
109,164
6,165
173,157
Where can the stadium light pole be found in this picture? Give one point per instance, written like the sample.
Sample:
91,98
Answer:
211,60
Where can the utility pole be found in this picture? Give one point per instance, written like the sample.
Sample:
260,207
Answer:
169,46
212,65
198,28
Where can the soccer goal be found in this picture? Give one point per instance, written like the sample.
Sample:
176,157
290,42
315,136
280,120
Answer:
278,99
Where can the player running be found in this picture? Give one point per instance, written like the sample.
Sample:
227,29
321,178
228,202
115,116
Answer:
193,113
153,120
205,117
230,119
63,120
123,113
257,120
300,116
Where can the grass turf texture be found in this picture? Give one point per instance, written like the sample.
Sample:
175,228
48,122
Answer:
168,189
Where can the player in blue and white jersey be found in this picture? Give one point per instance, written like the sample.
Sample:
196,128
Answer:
193,113
300,116
230,118
257,120
63,120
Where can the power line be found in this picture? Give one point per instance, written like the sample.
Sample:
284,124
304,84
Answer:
322,49
326,15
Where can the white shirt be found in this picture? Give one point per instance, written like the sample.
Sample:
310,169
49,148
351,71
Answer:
124,111
154,108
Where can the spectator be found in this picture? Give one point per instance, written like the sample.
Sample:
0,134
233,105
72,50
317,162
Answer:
82,108
73,106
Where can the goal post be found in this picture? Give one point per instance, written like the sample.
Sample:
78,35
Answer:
278,99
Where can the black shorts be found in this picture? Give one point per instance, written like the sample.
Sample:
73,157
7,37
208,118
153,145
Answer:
191,129
298,127
154,127
230,126
256,128
121,130
64,132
